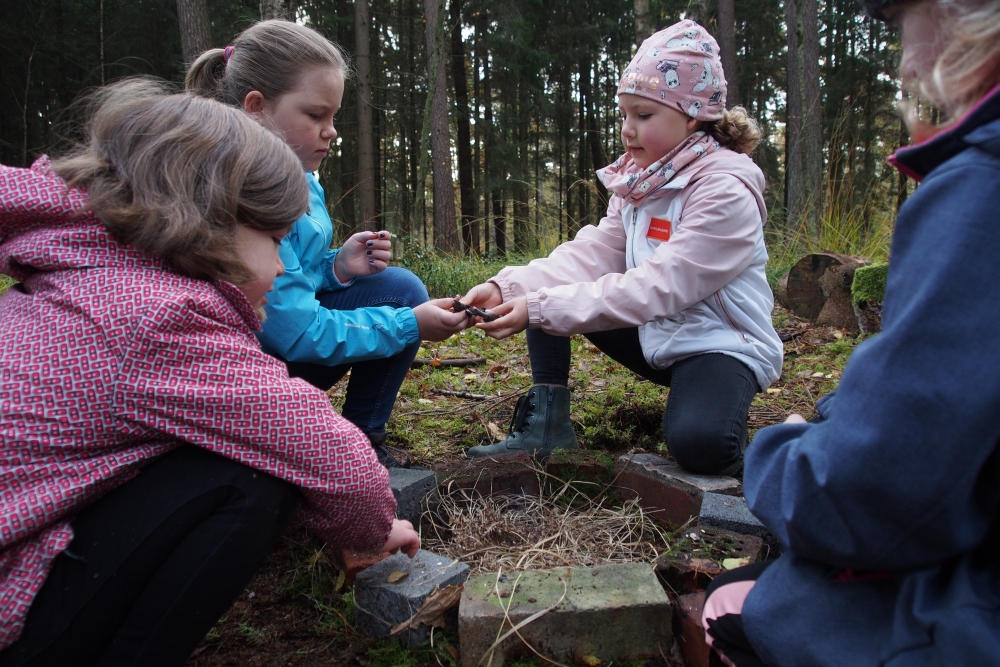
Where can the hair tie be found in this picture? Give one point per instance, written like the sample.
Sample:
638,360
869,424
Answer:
227,53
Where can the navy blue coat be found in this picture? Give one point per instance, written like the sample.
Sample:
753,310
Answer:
900,481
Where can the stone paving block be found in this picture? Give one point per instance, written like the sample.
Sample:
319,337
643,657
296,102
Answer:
610,613
512,473
415,489
380,605
731,513
691,634
669,493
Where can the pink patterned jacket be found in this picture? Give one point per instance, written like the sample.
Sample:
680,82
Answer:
108,360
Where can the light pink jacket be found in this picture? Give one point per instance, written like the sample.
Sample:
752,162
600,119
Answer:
703,290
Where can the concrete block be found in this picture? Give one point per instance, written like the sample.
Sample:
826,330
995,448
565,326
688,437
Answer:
690,632
512,473
731,513
380,605
610,613
669,493
415,490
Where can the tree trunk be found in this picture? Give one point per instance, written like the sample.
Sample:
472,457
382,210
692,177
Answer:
793,122
366,158
812,118
727,48
642,25
275,9
192,17
521,242
464,148
818,288
445,235
597,156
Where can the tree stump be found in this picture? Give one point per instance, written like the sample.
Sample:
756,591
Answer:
818,288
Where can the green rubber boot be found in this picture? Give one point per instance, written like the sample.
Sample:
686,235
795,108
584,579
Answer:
540,424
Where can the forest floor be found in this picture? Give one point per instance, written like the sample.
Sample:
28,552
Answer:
291,613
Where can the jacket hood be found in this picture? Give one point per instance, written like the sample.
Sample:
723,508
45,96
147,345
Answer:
731,163
979,127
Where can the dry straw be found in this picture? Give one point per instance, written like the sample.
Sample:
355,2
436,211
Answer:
560,527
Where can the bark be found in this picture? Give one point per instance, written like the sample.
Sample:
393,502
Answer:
597,157
192,17
793,121
276,9
812,117
818,288
366,158
521,243
642,24
727,48
445,234
464,147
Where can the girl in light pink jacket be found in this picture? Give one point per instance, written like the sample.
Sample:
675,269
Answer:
671,283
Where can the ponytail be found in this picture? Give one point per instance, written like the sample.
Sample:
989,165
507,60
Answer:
205,76
736,130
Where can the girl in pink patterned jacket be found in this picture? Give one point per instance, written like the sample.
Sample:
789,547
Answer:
150,452
671,283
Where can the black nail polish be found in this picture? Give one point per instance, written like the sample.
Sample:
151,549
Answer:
381,235
369,243
368,251
371,261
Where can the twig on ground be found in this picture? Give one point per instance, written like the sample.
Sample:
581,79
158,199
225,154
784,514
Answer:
435,362
462,394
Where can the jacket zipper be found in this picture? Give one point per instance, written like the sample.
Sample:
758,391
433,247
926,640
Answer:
732,323
548,418
635,215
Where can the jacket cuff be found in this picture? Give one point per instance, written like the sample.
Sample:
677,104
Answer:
408,325
330,281
534,310
506,291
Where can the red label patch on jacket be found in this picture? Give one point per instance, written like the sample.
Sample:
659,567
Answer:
659,229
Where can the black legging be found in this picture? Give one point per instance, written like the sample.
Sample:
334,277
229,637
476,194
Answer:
705,421
155,563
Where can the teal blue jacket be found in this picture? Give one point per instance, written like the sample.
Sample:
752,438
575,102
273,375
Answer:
298,328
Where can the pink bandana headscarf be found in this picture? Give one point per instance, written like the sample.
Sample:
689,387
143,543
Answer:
679,66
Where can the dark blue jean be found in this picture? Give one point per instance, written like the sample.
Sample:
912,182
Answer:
705,421
372,389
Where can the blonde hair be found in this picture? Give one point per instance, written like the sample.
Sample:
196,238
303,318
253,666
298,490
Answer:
967,69
268,57
736,130
173,174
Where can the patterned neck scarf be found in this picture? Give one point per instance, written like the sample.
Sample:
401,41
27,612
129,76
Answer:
633,183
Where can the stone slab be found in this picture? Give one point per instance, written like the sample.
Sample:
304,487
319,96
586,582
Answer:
415,490
669,493
731,513
699,554
512,473
610,613
380,605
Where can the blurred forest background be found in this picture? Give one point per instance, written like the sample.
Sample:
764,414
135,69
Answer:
474,126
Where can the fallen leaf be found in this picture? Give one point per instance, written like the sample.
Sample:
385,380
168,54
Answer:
705,565
774,390
432,611
496,369
591,660
469,376
435,363
424,401
818,374
838,335
733,563
828,376
341,580
495,432
452,651
396,575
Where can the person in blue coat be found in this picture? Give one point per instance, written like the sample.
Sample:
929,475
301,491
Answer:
887,504
333,310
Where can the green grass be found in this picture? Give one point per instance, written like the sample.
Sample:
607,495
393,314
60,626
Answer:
447,276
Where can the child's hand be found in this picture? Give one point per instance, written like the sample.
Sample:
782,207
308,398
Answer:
436,320
402,537
484,296
364,254
513,318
